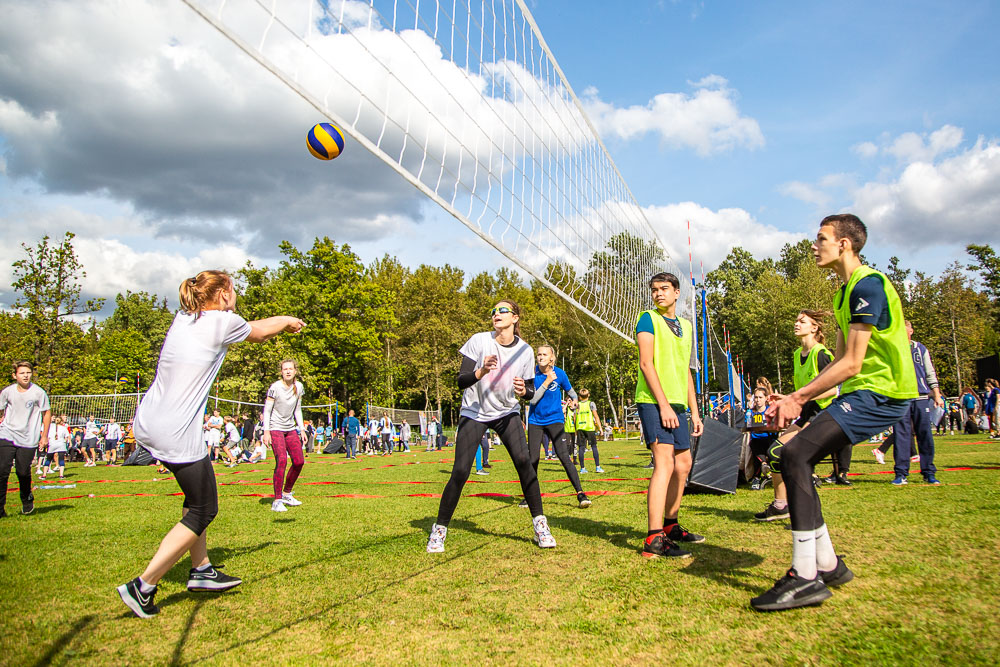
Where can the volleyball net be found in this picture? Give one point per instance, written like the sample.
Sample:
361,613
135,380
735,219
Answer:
466,101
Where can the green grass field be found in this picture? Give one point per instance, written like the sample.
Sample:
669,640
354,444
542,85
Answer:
346,580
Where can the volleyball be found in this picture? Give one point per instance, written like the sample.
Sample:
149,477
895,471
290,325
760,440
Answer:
325,141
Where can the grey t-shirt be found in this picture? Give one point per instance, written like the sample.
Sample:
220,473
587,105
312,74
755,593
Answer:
22,418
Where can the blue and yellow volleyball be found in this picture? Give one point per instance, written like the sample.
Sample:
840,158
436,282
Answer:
325,141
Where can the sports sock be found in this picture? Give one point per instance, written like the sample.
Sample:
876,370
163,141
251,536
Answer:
144,587
653,532
780,504
668,524
204,567
826,557
804,553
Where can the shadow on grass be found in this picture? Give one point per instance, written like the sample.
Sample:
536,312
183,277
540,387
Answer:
438,562
425,523
625,537
218,555
50,508
175,659
725,566
64,640
739,516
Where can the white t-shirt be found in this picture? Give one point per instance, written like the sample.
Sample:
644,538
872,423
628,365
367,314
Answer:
58,438
91,430
259,452
169,419
284,413
22,417
493,396
216,423
232,433
114,431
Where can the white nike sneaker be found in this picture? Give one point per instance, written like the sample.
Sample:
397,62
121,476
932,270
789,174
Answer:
598,469
542,534
278,506
290,500
435,544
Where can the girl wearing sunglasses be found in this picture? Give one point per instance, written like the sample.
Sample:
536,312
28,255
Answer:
494,365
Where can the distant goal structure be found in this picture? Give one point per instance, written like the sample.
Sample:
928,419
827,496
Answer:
466,101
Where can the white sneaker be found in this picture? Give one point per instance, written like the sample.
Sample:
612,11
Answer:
542,534
435,544
583,471
482,472
879,456
289,499
278,506
598,469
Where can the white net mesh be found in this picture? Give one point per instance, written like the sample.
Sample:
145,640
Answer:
104,407
465,101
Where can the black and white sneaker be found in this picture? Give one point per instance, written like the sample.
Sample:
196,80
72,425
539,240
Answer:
140,603
28,506
583,500
772,513
211,580
791,592
678,534
523,503
838,576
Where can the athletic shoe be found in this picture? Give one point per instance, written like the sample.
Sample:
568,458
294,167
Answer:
41,476
211,580
879,456
832,479
772,513
678,534
542,534
278,506
659,545
583,500
487,465
482,472
523,503
288,499
598,469
583,471
899,481
649,466
842,480
29,505
140,603
756,484
838,576
916,457
932,480
791,592
435,544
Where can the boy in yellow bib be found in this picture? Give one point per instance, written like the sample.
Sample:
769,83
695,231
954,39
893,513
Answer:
663,394
875,370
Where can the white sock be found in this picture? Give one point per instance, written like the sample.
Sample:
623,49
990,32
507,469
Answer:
144,587
826,557
204,567
804,553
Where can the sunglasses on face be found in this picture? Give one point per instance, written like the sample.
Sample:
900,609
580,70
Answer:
503,310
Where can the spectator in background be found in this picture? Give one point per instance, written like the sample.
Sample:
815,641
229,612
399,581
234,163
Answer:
404,436
90,432
320,435
971,406
432,430
373,436
56,453
916,423
385,431
352,431
990,404
230,441
128,439
952,417
259,453
112,434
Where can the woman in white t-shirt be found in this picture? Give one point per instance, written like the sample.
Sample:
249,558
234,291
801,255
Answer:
169,424
283,432
58,441
494,365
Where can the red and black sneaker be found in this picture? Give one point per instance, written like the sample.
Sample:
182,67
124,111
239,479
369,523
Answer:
677,533
660,545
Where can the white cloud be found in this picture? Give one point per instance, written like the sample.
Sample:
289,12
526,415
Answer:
715,233
865,149
706,121
913,147
804,192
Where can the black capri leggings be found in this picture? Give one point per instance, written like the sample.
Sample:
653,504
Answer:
201,496
467,439
556,437
819,439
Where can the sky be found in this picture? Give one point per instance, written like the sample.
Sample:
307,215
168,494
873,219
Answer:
139,128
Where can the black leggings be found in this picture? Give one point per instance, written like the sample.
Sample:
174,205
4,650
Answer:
20,459
201,496
555,435
584,437
470,434
820,438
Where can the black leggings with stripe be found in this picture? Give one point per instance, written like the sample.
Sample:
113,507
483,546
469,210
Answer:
470,434
559,443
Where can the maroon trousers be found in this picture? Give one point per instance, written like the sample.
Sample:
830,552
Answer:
286,444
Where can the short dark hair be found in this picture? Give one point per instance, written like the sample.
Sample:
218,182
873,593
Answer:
848,226
664,277
24,364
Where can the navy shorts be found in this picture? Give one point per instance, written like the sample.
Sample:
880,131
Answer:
863,413
654,431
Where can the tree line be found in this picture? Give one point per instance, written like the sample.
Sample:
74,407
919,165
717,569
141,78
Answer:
387,334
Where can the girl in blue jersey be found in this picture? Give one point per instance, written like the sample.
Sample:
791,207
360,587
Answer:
545,417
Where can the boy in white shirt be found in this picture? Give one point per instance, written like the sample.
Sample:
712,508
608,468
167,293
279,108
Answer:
25,426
